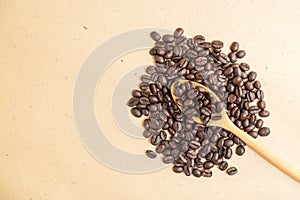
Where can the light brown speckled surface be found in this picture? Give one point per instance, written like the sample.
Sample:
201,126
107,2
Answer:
42,46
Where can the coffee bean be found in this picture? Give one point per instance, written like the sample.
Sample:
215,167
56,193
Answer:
254,134
228,143
261,104
264,113
249,128
223,165
252,76
265,131
232,171
254,109
238,81
187,170
240,150
228,153
234,46
195,145
177,169
208,165
249,85
191,53
217,44
207,173
160,148
162,80
231,98
257,84
245,67
136,93
260,95
240,54
168,38
196,173
178,32
151,154
147,134
228,71
136,112
193,93
199,39
232,57
168,159
155,36
259,123
133,102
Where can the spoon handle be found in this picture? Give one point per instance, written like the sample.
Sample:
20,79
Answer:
264,152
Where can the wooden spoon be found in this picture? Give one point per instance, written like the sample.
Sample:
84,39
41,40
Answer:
227,124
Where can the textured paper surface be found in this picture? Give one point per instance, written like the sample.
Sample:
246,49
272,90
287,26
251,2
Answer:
44,43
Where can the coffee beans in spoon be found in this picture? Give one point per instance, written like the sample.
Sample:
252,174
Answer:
195,149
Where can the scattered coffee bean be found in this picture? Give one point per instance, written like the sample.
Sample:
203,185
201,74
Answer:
232,171
151,154
196,148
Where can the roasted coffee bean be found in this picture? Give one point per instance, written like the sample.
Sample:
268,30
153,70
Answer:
232,171
254,110
196,172
177,169
249,128
234,46
193,93
133,102
252,119
155,36
257,85
178,32
207,173
163,80
191,54
199,39
260,95
231,98
168,38
228,153
220,143
249,85
228,143
261,104
238,81
147,133
151,154
245,67
223,165
217,44
232,57
259,123
228,71
136,112
136,93
159,59
168,159
160,148
252,76
208,165
265,131
254,134
187,170
206,111
240,54
195,145
240,150
264,113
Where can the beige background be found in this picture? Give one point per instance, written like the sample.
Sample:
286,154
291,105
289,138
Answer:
42,46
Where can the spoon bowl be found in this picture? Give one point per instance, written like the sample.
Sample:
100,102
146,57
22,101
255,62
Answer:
227,124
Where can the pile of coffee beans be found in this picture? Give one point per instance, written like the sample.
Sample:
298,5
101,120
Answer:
195,148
